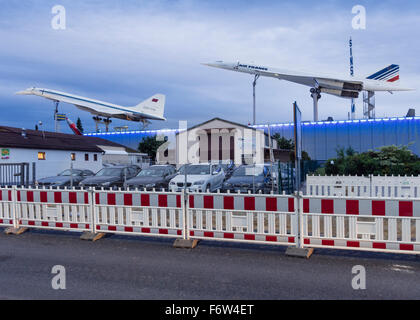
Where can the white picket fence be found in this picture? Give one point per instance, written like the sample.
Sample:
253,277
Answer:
358,223
362,186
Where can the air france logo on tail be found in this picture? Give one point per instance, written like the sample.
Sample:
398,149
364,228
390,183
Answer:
389,74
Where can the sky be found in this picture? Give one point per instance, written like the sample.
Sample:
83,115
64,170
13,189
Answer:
124,51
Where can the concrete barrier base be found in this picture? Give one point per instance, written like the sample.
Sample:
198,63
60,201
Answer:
185,244
15,231
299,252
90,236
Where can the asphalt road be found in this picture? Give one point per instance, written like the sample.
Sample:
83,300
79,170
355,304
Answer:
120,267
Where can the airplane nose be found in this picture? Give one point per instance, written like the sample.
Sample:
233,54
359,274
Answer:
220,64
210,64
26,91
22,92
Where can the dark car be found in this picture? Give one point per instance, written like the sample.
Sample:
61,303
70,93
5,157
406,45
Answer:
249,178
228,168
155,177
110,177
67,178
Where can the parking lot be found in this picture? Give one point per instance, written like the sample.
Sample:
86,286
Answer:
122,267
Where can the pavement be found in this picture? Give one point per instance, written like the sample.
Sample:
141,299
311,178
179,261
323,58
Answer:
123,267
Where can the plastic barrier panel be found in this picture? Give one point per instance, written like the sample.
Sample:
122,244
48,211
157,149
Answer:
388,225
141,213
54,209
268,219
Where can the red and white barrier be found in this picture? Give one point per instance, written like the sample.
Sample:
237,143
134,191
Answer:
7,207
141,213
389,225
370,224
54,209
247,218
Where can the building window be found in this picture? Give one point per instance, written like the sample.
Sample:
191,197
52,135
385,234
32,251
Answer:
73,157
95,157
86,156
41,156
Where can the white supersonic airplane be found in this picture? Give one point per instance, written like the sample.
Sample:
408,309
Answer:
150,109
342,86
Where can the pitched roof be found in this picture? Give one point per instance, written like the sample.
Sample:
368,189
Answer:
220,119
32,139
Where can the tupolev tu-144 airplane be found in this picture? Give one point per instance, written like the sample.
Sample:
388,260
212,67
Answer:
150,109
343,86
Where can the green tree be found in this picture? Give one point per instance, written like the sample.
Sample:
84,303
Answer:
79,125
283,143
389,160
288,144
150,145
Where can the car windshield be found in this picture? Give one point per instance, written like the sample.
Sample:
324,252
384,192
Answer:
196,169
109,172
249,171
152,172
68,173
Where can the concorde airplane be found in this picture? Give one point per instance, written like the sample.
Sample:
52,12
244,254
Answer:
150,109
342,86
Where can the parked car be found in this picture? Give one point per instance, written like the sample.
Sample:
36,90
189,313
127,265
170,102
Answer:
110,177
67,178
228,168
254,178
200,178
155,177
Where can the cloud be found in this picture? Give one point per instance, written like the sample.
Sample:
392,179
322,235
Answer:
124,52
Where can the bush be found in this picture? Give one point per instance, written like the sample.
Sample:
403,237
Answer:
389,160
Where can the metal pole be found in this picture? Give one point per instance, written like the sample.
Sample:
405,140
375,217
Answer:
71,173
271,158
22,174
353,106
185,179
254,83
315,98
253,180
125,177
27,175
55,115
33,173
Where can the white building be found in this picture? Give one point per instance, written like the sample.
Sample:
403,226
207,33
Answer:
218,140
53,152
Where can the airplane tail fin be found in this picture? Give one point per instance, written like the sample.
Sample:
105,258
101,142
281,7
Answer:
389,74
154,106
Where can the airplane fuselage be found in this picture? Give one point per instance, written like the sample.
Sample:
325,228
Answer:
95,107
310,79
